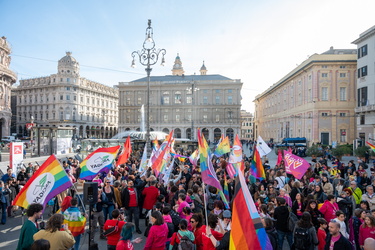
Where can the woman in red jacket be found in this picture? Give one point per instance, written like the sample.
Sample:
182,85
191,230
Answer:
196,223
329,208
157,236
367,230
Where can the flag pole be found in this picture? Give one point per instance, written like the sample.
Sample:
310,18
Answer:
79,197
204,201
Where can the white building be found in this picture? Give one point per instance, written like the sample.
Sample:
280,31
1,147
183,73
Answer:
7,78
365,108
214,105
67,100
247,123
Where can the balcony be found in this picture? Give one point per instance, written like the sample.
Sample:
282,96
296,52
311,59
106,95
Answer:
367,108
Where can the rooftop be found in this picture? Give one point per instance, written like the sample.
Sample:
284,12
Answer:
364,35
186,78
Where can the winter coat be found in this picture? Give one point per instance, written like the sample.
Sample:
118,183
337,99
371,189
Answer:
157,237
327,188
313,237
329,210
281,215
176,240
369,199
151,196
341,244
357,194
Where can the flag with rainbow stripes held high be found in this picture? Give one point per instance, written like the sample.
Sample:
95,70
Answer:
101,160
48,181
371,146
223,147
257,169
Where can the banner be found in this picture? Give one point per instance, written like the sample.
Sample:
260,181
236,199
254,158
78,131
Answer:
295,165
262,147
16,156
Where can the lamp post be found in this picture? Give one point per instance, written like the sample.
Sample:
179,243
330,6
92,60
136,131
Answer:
32,135
192,89
148,56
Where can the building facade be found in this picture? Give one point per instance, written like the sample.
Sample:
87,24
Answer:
316,100
67,100
183,103
365,107
247,123
7,79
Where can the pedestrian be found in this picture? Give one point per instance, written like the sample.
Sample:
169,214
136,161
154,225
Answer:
150,194
334,240
126,237
182,233
271,232
356,191
157,236
129,199
111,199
329,208
369,196
281,216
30,227
3,202
98,216
322,235
41,244
367,230
305,234
116,221
340,218
75,220
57,233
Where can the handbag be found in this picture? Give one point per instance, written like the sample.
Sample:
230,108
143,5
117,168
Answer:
111,230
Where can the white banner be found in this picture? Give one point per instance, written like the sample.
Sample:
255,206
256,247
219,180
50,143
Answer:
262,147
16,156
168,173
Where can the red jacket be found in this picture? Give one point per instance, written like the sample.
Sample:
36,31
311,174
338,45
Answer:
113,238
151,195
364,233
198,238
157,237
322,239
329,210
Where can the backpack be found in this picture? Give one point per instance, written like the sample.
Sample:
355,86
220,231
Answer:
175,219
185,243
302,238
292,220
170,229
211,200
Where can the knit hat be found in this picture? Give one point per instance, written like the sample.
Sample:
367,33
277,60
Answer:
227,214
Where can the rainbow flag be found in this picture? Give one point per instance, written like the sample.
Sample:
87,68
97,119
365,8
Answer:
101,160
247,229
48,181
371,146
224,199
194,157
223,147
127,150
226,189
75,220
230,169
155,144
162,155
257,168
207,171
236,154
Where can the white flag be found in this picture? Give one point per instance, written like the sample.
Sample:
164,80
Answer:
262,147
143,164
168,173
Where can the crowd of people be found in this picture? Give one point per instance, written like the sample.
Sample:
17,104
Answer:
331,207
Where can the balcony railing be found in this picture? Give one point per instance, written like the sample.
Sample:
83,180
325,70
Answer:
367,108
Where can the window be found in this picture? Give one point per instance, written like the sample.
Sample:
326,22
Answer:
362,96
217,118
324,114
75,98
217,91
364,71
342,94
165,118
342,74
177,118
342,66
67,97
217,99
189,99
324,66
309,77
230,100
342,135
324,94
61,97
205,91
68,79
230,90
205,100
61,115
342,114
177,97
324,74
362,51
165,100
204,118
189,118
139,102
362,120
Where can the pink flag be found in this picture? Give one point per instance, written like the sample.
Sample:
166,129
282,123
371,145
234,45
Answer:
230,170
279,157
295,165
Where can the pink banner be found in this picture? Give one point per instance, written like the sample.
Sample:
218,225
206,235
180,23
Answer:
295,165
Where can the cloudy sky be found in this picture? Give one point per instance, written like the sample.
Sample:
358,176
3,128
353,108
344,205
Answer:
256,41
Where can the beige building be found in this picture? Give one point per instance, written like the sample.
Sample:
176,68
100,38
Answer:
365,108
183,103
247,124
316,100
66,99
7,79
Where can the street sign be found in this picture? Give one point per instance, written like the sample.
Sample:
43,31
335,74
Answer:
29,126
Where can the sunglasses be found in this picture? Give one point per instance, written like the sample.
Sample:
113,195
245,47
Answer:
192,221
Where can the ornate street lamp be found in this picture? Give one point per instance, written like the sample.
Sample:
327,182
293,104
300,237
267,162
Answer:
192,89
148,56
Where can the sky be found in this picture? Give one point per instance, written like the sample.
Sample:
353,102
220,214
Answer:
258,42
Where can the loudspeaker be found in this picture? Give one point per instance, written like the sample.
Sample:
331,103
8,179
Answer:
90,193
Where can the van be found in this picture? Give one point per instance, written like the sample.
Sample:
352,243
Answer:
8,138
